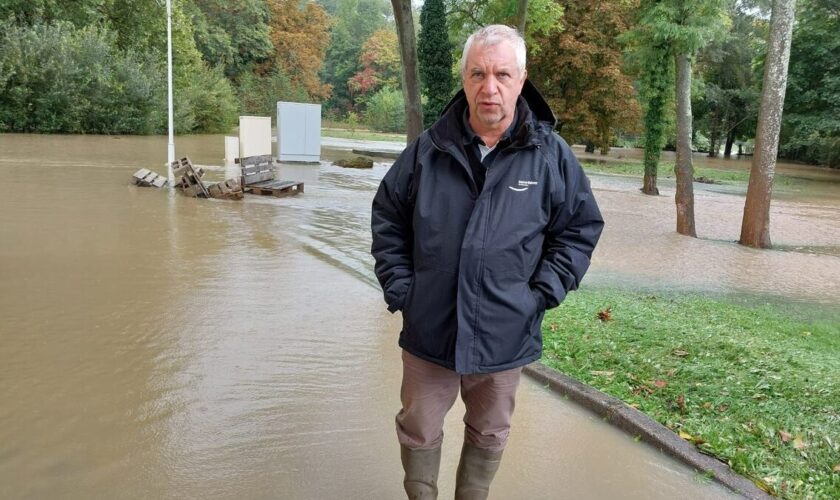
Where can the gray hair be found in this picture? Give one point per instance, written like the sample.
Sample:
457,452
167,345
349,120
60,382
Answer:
495,34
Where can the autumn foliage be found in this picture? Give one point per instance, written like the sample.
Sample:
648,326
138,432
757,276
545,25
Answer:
380,63
579,69
300,37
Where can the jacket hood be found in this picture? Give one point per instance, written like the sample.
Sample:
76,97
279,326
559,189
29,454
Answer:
449,123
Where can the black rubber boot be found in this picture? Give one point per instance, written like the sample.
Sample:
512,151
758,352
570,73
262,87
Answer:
421,472
475,472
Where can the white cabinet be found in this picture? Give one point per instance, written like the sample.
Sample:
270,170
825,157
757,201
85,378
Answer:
298,132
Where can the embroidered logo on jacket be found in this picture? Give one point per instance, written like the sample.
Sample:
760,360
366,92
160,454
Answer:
523,186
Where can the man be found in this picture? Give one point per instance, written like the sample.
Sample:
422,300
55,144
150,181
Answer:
483,223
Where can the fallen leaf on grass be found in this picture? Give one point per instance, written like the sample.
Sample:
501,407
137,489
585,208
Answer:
692,439
671,372
660,384
680,353
598,373
764,486
681,402
722,408
707,405
552,327
784,436
799,444
806,334
606,314
643,389
836,468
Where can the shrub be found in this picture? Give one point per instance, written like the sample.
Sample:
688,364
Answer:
259,94
385,111
56,78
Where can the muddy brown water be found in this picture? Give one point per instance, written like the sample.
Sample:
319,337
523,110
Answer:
154,346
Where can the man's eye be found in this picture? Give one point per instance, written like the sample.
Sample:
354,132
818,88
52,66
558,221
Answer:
477,76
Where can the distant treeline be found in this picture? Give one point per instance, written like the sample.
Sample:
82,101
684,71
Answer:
99,66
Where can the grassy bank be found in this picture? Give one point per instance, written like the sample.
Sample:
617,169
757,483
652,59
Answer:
751,385
360,134
666,171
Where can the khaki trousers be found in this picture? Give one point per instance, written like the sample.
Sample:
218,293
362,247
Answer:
429,391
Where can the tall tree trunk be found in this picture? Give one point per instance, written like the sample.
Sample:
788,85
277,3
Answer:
654,132
521,15
683,167
714,134
755,227
730,140
411,75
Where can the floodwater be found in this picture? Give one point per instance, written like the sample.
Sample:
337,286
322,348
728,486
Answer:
155,346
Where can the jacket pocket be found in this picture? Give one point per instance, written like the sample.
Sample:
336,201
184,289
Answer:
429,316
506,320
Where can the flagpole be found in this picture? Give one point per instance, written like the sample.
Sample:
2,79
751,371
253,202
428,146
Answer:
170,150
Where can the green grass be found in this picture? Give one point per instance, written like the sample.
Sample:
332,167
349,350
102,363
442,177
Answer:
361,134
756,387
666,171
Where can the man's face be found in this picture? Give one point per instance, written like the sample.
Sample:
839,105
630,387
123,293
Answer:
492,83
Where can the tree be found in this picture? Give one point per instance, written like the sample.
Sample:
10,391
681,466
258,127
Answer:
300,38
651,57
730,99
465,16
521,15
676,30
696,23
354,22
755,227
237,36
380,66
411,76
580,72
434,54
811,121
75,79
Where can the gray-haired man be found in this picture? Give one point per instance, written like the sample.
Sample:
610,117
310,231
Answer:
483,223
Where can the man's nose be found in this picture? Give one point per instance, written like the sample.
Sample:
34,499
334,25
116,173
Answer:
491,86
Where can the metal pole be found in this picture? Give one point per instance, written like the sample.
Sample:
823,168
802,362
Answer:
170,151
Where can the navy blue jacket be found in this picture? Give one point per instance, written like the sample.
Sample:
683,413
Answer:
473,272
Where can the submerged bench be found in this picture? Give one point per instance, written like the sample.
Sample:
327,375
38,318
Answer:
258,178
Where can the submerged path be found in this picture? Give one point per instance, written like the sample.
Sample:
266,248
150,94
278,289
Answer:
155,346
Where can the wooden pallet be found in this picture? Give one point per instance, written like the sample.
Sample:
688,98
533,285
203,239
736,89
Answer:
256,169
146,178
276,188
229,189
189,178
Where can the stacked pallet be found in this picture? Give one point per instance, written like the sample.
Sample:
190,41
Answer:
188,178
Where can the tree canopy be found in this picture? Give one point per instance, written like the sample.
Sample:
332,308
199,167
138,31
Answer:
607,68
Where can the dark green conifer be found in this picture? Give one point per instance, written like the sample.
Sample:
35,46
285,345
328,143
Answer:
434,54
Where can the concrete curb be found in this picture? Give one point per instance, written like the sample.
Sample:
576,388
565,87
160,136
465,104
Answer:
636,423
